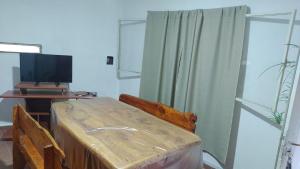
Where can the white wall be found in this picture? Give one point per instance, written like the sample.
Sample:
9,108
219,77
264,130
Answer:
257,140
86,29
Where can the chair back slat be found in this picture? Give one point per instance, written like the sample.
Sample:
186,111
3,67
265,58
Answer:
39,149
184,120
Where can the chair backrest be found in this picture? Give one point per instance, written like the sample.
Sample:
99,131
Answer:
32,144
184,120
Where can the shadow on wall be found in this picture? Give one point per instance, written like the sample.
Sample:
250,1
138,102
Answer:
6,105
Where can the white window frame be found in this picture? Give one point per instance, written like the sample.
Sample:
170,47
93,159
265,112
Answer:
6,47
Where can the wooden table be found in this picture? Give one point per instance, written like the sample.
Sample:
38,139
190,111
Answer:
104,133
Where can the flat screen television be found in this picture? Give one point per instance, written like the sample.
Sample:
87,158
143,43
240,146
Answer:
45,68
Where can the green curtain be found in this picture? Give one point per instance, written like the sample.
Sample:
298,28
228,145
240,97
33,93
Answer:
191,62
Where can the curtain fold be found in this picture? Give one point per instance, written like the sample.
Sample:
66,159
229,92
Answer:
191,62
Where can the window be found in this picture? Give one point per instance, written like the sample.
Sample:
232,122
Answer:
20,48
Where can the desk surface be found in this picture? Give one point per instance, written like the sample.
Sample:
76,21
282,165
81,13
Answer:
42,95
29,85
107,133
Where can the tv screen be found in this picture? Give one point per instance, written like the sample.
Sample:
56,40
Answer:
45,68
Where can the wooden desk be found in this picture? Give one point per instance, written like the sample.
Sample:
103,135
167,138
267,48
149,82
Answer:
42,95
5,133
30,85
108,134
38,103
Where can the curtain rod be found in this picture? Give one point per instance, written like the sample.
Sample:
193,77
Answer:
247,15
268,14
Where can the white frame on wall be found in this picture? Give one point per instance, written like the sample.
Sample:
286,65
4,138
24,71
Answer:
7,47
119,69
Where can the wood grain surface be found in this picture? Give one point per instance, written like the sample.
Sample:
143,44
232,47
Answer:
119,135
30,85
186,120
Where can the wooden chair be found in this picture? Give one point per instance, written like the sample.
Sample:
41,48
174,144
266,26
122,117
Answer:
33,145
184,120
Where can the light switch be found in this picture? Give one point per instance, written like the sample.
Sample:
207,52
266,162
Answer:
110,60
